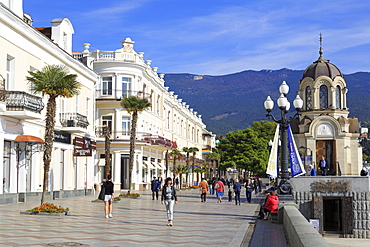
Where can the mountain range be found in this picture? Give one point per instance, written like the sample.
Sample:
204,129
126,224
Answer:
234,101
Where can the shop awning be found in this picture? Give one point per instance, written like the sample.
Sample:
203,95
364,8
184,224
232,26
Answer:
28,138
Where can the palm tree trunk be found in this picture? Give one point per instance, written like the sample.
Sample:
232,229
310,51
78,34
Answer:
174,168
132,148
180,180
187,170
49,140
192,170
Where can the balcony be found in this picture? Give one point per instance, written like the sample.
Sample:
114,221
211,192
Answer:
148,138
110,94
22,105
74,122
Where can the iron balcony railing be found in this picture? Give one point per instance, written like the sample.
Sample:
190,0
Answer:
73,119
22,101
140,136
119,94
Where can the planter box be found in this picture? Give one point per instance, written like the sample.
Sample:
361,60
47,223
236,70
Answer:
47,214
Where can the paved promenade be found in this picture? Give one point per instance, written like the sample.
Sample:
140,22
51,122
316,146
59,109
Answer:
136,222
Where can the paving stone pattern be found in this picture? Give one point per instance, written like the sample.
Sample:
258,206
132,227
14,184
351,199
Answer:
136,222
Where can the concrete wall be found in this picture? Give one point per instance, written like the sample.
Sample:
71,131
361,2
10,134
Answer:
299,231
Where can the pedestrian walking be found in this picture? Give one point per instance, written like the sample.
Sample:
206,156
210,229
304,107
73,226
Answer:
177,183
203,186
156,186
108,198
237,189
230,195
210,185
220,187
249,190
169,199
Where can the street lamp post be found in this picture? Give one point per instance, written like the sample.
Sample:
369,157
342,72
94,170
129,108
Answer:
284,106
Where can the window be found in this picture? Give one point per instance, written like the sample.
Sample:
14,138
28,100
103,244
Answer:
107,86
77,103
126,86
87,107
9,73
6,166
107,121
158,104
152,100
323,97
337,98
126,125
308,98
168,120
62,158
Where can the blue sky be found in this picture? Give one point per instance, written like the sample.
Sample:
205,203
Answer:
217,37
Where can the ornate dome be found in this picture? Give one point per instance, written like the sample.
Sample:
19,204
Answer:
322,67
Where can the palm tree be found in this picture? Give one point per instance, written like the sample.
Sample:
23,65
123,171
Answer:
175,153
54,81
133,105
197,171
181,169
214,156
187,151
193,150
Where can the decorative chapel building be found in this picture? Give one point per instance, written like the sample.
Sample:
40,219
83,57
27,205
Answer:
324,128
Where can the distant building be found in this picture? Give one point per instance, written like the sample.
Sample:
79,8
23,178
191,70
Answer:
169,123
324,129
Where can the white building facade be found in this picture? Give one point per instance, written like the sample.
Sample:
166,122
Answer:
169,123
24,48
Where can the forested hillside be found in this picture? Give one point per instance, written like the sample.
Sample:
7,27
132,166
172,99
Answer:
231,102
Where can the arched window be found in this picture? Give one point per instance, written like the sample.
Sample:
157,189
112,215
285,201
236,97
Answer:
337,98
323,97
308,98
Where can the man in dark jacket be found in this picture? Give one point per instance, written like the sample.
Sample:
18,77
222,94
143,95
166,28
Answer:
155,188
324,166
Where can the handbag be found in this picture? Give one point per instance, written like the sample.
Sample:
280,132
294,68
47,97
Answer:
102,193
217,185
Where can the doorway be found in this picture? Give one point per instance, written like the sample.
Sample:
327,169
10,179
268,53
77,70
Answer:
124,171
327,149
332,215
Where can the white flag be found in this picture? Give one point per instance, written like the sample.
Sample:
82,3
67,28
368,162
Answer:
272,165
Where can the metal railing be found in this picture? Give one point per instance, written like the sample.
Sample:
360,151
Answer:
119,94
73,119
22,101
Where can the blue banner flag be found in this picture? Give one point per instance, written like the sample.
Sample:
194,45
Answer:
296,165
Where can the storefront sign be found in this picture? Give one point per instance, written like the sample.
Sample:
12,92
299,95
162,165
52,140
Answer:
62,137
